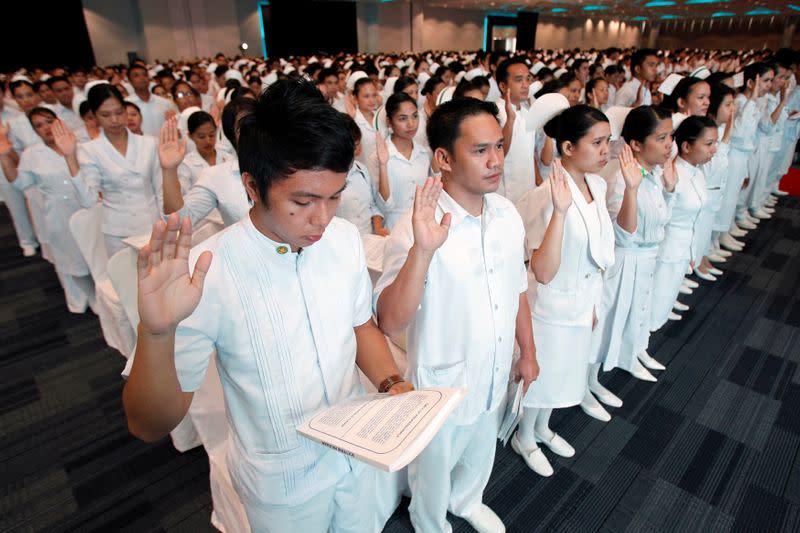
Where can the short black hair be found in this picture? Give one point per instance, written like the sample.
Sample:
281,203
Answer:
197,119
101,92
691,128
501,74
592,83
444,126
394,102
718,93
326,73
55,79
135,66
41,111
639,56
291,127
642,122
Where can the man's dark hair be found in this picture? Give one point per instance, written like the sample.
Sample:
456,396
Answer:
52,80
291,127
326,73
444,126
639,56
501,74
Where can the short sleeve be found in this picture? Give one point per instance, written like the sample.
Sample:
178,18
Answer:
362,309
398,244
535,207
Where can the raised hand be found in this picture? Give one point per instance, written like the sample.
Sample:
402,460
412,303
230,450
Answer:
631,170
350,105
171,147
756,88
167,294
381,149
64,139
510,112
429,235
670,175
170,114
5,143
559,188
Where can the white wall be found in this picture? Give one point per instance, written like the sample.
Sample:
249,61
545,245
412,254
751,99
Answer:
115,28
452,29
561,32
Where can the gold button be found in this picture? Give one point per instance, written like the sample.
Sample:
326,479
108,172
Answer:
282,249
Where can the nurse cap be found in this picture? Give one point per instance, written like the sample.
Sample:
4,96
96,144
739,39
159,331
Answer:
537,67
446,95
669,84
560,72
701,72
477,71
616,119
183,118
353,78
544,109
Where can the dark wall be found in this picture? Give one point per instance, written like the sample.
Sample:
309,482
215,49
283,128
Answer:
526,30
44,34
305,27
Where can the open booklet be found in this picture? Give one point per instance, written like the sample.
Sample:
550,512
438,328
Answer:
387,432
513,412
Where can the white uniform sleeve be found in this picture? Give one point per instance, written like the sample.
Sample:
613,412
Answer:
395,253
362,308
200,200
87,181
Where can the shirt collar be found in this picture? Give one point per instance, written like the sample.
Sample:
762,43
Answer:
457,213
273,249
416,150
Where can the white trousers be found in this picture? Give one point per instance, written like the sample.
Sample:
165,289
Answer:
78,291
452,472
18,207
345,507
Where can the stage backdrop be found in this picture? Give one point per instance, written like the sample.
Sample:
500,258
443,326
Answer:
294,27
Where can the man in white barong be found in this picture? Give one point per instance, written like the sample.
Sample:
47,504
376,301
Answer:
285,303
454,279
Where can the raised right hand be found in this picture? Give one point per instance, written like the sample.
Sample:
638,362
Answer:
510,112
559,188
167,294
381,148
171,147
429,235
64,139
631,170
5,143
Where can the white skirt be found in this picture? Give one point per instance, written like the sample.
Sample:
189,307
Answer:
623,330
666,287
563,356
737,171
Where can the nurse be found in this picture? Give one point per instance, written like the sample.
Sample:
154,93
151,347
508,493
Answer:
454,280
623,332
742,146
403,164
409,86
366,95
570,237
153,107
519,175
287,353
696,138
218,187
122,167
644,65
358,203
46,166
133,118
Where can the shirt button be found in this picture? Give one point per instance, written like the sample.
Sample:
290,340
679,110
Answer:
495,306
491,271
499,339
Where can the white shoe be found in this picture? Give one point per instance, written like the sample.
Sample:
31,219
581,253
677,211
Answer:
714,271
592,407
723,253
704,275
557,445
739,232
679,306
779,193
771,202
744,224
647,360
714,257
484,520
640,372
28,251
685,290
760,213
605,395
769,210
752,219
674,316
729,243
534,458
692,284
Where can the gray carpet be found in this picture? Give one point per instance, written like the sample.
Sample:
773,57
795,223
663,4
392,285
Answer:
711,447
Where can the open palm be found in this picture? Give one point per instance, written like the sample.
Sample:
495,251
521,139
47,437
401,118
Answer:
171,147
429,235
559,188
167,293
64,139
631,170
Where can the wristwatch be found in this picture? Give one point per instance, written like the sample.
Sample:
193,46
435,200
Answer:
390,382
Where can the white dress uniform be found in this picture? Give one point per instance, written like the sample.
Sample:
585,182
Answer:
286,349
675,251
716,175
760,160
45,169
219,187
404,175
357,203
562,310
742,145
193,165
791,132
626,95
22,136
367,140
14,199
772,146
131,185
623,330
152,112
519,175
462,336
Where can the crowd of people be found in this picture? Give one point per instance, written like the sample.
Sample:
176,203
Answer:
543,212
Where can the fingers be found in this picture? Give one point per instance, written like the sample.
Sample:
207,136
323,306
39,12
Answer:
184,239
142,261
156,242
171,237
446,220
201,269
